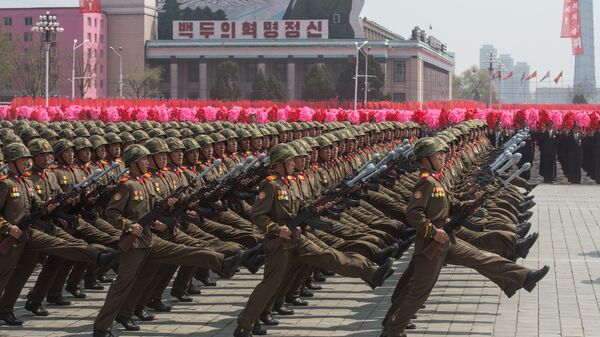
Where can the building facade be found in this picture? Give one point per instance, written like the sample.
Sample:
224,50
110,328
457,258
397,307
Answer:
16,21
585,64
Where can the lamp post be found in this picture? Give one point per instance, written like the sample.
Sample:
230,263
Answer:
491,69
367,74
75,46
120,70
47,25
358,48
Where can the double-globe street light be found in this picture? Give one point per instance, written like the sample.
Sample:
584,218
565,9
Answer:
47,25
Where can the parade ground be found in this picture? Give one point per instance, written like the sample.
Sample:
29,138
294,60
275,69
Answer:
463,303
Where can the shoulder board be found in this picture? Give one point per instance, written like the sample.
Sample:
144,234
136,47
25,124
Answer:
27,174
165,169
184,167
104,161
147,175
301,177
3,177
272,178
124,179
54,166
119,160
424,175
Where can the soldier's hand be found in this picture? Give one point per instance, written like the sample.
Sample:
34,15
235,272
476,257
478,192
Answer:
192,213
62,222
171,202
71,201
15,232
91,200
50,208
285,232
441,236
159,226
136,229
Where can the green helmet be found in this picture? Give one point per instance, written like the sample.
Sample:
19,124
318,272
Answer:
97,131
229,134
172,133
49,134
280,153
82,143
427,146
255,133
82,132
156,133
98,141
12,138
197,129
134,153
112,138
243,133
39,146
28,133
190,144
156,145
175,144
67,134
311,141
323,141
60,146
111,128
204,140
126,137
15,151
299,148
218,138
140,136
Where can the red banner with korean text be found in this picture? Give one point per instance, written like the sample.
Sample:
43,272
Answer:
251,29
90,6
571,25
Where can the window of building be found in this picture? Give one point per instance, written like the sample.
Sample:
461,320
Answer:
336,18
96,38
89,21
251,71
193,72
101,53
95,53
399,97
165,74
101,23
102,69
28,37
95,22
8,21
89,36
89,52
400,71
280,72
29,21
101,38
53,36
101,84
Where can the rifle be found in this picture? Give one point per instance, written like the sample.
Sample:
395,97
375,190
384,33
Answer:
36,216
160,212
83,207
432,248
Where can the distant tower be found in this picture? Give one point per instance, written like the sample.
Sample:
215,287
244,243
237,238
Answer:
585,69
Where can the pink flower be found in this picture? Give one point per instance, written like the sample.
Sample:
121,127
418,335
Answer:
432,118
354,117
4,111
234,114
24,112
404,116
331,115
282,114
582,118
532,117
210,113
262,116
112,114
507,118
306,114
456,116
557,118
381,115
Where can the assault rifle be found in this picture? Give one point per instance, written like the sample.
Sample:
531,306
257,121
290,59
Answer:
36,216
102,193
432,248
161,211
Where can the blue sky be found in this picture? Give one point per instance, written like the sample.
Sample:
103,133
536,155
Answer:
529,30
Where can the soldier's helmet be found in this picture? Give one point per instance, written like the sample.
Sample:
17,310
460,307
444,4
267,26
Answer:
39,146
156,145
134,153
218,138
299,148
323,141
427,146
229,134
27,133
15,151
61,145
280,153
98,141
190,144
140,136
175,144
204,140
82,143
112,138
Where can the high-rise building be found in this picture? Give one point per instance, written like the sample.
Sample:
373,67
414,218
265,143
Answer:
585,69
506,88
522,90
484,55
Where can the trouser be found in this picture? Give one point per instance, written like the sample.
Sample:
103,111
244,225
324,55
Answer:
499,270
502,243
38,242
132,263
302,251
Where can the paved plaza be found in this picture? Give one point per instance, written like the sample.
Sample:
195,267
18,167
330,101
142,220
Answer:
463,303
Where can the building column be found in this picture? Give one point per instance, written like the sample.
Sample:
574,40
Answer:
262,67
291,80
203,80
174,80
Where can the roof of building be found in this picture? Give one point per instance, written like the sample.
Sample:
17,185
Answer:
11,4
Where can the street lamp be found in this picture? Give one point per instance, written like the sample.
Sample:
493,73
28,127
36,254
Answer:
75,46
358,48
120,70
491,69
47,25
367,74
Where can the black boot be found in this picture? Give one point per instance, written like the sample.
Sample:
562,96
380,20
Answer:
381,274
296,301
319,277
105,260
102,278
193,290
258,329
304,292
524,245
239,332
268,319
76,292
206,280
181,296
10,319
533,277
386,253
143,315
313,286
525,216
523,229
92,284
230,265
283,309
36,308
127,323
158,305
60,301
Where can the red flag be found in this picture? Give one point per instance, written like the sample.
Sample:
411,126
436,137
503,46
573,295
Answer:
523,77
508,76
496,75
532,76
90,6
558,77
545,76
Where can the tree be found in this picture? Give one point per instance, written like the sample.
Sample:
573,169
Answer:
170,13
318,85
345,80
226,87
260,89
85,70
473,84
24,66
276,90
144,83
